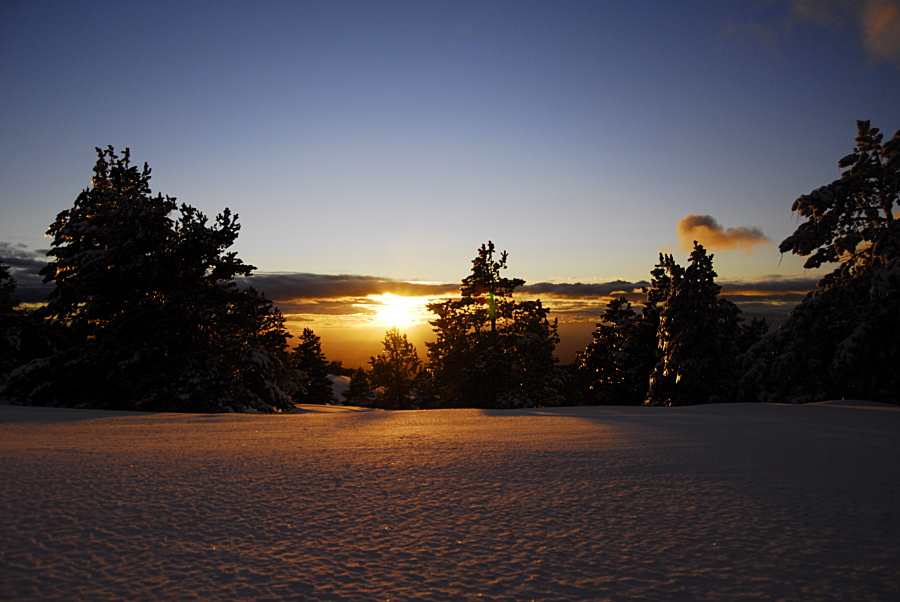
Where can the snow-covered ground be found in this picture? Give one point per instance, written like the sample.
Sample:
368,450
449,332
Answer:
717,502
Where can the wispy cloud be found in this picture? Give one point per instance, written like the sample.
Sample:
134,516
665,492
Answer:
825,13
708,232
880,22
876,23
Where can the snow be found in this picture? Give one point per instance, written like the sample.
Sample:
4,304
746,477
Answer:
716,502
339,385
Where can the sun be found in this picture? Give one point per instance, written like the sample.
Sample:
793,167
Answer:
398,311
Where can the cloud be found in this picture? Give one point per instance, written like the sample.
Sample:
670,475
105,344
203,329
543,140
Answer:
297,286
20,257
300,286
580,290
880,22
708,232
877,24
24,265
824,13
332,294
772,285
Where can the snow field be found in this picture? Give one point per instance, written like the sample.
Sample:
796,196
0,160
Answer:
716,502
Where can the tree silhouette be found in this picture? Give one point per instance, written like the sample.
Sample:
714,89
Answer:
359,392
697,338
10,339
841,340
395,371
153,319
618,363
309,360
485,282
492,351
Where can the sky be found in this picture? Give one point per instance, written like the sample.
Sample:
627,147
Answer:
366,145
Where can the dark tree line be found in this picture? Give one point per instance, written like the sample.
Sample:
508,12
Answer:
843,340
145,314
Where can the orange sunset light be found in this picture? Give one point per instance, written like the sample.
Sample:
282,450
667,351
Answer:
397,311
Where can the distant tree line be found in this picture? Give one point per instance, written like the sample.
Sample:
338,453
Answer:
145,314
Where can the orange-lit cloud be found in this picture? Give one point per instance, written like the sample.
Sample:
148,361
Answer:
877,23
880,22
709,233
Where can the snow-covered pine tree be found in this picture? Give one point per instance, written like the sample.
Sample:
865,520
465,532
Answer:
841,341
618,363
395,371
492,351
308,359
152,316
697,338
607,362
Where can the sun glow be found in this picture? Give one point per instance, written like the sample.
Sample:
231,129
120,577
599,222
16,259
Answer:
398,311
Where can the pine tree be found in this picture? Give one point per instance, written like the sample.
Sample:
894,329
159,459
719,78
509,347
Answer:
492,351
308,359
395,372
841,341
618,363
153,319
607,359
697,338
10,339
359,392
485,282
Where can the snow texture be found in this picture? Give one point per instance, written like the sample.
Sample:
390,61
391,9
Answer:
716,502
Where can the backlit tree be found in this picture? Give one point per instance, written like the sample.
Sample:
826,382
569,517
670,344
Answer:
841,341
394,371
493,351
152,315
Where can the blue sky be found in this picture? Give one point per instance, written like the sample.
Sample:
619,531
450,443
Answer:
391,139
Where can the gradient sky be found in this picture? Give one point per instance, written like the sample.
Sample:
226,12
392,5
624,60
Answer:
388,140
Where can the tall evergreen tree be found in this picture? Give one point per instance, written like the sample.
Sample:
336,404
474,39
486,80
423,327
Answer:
492,351
152,315
625,351
697,338
607,360
841,341
395,372
310,361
